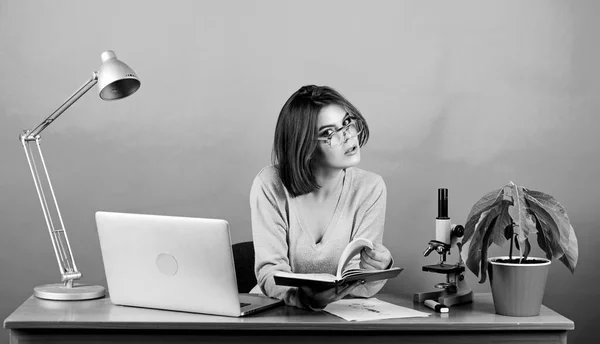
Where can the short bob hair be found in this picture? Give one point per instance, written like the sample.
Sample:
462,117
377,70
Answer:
296,132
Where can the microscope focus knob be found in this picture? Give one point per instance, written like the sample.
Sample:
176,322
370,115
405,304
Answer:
458,231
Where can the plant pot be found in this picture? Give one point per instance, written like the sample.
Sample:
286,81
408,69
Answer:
518,289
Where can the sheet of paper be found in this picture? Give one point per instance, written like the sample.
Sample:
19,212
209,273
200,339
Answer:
370,309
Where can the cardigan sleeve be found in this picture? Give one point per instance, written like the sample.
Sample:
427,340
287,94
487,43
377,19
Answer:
269,231
370,225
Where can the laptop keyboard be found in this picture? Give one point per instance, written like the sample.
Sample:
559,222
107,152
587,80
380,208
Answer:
244,304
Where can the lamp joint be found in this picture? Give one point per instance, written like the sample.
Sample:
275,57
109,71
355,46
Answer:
26,136
69,276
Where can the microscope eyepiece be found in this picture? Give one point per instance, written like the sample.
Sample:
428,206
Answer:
442,203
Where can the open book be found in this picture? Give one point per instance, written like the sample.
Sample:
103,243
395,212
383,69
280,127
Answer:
343,275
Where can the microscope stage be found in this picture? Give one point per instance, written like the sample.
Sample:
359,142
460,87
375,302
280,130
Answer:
444,268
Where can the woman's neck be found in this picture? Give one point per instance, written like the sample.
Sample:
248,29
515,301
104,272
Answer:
330,182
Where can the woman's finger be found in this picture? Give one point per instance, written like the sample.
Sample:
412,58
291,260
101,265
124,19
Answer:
378,253
348,289
368,263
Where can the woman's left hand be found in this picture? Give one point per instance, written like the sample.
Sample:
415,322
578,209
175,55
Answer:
378,258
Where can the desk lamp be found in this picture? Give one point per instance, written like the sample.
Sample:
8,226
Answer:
115,80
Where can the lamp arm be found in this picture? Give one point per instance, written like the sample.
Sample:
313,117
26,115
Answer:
58,236
31,134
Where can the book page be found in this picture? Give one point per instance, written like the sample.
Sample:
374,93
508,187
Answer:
362,272
370,309
310,277
353,248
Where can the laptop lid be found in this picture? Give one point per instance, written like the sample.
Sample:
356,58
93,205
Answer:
170,262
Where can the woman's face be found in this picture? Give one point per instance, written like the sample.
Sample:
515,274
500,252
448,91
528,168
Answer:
331,119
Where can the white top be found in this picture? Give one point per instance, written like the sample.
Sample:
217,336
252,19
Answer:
283,244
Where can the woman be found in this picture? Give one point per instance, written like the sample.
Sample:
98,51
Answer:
313,201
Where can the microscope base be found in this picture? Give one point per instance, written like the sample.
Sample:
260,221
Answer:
462,296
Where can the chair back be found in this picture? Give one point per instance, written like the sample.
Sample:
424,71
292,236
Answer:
243,257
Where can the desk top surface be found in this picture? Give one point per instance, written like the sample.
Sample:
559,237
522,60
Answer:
102,314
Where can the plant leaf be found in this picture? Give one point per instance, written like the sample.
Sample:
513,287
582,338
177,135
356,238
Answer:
498,235
548,236
485,225
484,248
474,252
484,204
476,246
479,214
568,240
527,249
524,225
508,232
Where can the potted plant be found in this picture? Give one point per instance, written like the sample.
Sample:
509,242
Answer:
514,213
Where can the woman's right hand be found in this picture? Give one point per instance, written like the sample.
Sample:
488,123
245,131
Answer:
318,299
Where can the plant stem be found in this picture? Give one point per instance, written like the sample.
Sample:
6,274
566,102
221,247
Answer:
519,220
518,204
510,251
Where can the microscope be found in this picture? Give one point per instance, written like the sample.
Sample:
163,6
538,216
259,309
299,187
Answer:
454,291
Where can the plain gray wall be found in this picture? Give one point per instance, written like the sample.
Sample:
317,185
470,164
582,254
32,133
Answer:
467,95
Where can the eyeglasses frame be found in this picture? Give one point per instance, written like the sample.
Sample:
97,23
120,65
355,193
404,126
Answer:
344,131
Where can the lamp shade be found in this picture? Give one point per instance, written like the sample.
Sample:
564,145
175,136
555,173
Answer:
115,79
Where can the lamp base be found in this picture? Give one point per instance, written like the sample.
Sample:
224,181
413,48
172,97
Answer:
60,292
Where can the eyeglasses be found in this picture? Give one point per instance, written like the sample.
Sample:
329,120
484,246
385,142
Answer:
342,134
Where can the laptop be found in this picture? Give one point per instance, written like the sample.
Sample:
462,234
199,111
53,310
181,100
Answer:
173,263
